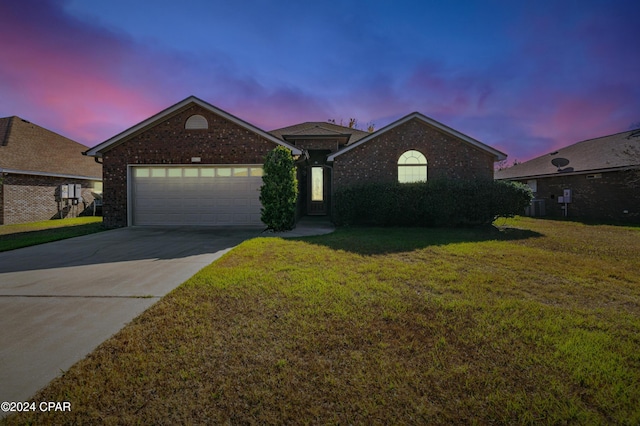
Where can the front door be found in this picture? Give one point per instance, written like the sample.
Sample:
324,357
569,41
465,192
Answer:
317,190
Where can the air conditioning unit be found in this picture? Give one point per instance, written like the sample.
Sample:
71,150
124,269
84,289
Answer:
536,208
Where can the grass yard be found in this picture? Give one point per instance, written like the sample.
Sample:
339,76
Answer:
538,323
32,233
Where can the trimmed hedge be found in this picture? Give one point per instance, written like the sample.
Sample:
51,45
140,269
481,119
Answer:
279,190
431,203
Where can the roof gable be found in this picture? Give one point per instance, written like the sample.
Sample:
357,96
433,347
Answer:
319,129
423,118
122,137
27,148
617,151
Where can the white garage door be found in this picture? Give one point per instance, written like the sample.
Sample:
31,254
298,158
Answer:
202,195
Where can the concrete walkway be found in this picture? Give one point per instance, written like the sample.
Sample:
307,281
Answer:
59,301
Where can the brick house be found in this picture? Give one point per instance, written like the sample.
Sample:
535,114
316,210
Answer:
34,163
196,164
595,179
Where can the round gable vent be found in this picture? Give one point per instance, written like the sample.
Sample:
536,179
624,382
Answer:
196,122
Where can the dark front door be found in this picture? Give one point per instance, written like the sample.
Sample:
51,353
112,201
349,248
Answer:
317,202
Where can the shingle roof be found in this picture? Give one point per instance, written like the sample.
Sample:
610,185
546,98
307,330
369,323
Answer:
618,151
320,128
430,121
26,147
105,146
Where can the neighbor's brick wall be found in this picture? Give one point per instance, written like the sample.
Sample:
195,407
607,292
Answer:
596,199
168,142
27,198
377,159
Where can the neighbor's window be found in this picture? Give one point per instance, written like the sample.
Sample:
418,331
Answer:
97,187
412,167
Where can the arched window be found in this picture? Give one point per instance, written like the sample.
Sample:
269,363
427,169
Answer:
412,167
196,122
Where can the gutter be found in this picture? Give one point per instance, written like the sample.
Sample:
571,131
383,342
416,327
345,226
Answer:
47,174
579,172
95,158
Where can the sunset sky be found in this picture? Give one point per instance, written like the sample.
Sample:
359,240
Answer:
525,77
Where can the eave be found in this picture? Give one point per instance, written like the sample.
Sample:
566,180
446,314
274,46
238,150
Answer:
122,137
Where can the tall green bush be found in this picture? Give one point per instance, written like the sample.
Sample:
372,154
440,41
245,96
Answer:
433,203
279,190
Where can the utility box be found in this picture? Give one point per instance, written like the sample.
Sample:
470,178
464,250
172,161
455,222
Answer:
566,196
73,191
536,208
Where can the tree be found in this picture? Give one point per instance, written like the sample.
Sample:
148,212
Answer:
505,164
279,190
353,124
371,127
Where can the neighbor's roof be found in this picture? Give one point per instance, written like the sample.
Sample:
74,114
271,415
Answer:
97,150
26,148
421,117
319,129
613,152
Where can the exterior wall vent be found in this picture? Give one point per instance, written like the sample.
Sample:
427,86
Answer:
595,176
196,122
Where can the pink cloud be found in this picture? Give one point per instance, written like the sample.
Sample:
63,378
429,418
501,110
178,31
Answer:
557,85
73,73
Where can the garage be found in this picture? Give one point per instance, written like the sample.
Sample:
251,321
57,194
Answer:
195,195
190,164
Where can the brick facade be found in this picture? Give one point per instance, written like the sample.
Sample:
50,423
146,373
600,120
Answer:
163,139
328,144
29,198
602,196
377,159
168,142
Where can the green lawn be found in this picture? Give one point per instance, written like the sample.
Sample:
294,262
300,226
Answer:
29,234
536,324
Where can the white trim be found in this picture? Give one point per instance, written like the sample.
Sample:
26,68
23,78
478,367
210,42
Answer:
47,174
98,150
129,195
497,154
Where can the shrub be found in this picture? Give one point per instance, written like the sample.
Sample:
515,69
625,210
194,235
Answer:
433,203
279,190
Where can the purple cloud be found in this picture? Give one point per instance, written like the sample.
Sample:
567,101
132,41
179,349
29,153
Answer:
525,78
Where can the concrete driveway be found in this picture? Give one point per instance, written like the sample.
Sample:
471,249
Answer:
59,301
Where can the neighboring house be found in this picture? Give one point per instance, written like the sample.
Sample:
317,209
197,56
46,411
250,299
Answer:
601,177
194,164
34,163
